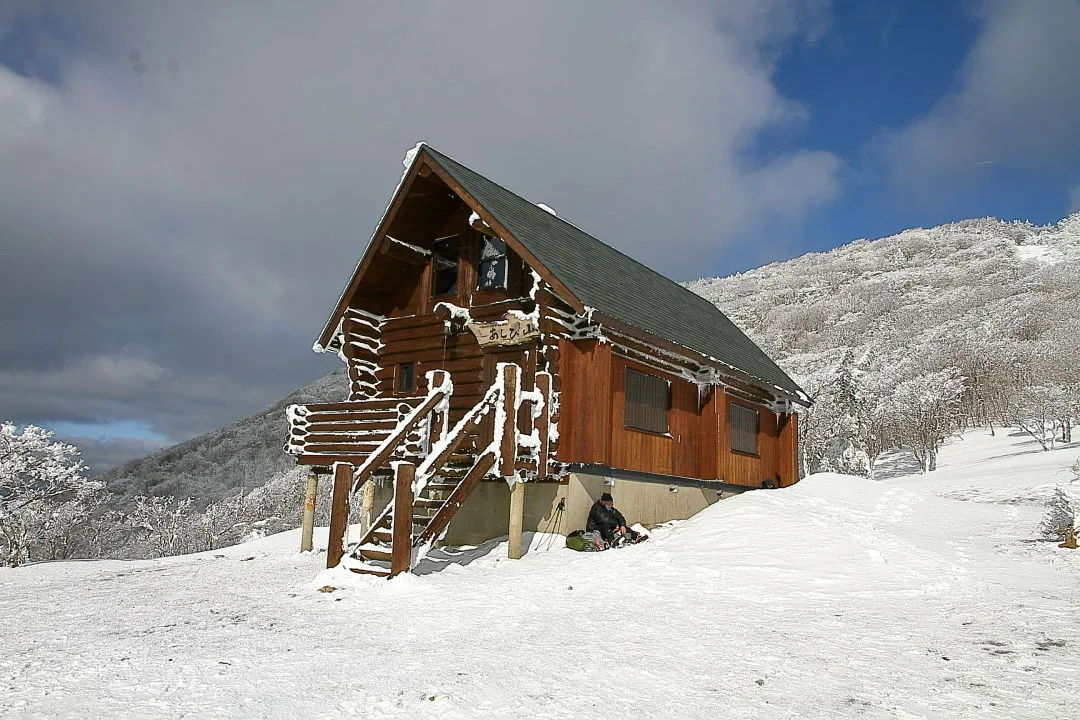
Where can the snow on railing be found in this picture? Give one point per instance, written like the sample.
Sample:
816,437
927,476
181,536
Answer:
438,394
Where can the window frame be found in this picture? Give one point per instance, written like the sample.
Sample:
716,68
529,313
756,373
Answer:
455,242
480,262
629,406
399,374
732,429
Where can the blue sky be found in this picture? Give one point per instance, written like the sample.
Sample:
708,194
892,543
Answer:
185,186
878,68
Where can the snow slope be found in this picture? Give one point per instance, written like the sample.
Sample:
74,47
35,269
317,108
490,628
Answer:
921,596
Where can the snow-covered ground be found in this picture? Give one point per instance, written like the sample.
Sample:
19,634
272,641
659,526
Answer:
916,596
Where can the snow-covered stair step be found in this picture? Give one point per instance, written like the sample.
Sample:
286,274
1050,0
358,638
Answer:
371,552
366,567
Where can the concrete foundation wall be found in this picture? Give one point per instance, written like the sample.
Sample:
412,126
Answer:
647,503
486,514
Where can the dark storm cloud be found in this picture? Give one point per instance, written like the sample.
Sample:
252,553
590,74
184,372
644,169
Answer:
102,454
181,209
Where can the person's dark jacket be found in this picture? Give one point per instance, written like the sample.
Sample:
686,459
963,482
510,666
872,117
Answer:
604,519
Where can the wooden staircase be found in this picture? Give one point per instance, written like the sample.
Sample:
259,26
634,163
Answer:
375,549
434,467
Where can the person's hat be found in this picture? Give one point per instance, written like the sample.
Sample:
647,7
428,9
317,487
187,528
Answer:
606,497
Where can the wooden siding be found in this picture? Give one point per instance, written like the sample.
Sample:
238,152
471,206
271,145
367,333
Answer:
585,402
744,468
698,442
633,449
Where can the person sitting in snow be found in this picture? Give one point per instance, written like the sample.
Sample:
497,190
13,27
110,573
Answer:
610,523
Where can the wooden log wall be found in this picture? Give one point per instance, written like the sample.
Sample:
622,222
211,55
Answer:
361,336
423,339
413,332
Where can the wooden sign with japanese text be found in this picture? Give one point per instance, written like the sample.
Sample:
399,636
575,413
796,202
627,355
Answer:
511,330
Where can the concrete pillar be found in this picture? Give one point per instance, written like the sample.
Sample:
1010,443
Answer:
517,519
309,511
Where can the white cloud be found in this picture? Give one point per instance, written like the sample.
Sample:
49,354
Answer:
205,199
1074,199
1016,105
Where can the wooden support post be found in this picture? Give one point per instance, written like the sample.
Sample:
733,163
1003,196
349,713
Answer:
517,519
401,548
310,498
339,513
439,418
543,425
508,442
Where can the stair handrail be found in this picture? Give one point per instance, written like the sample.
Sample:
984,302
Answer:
448,442
446,446
500,442
504,396
484,462
440,388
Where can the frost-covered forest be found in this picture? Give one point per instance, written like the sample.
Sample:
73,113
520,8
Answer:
903,341
215,490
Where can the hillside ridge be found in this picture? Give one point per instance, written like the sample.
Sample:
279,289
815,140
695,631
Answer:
244,454
891,298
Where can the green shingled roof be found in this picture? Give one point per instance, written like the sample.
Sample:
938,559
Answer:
616,285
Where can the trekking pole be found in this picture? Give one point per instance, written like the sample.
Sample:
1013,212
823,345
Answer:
556,520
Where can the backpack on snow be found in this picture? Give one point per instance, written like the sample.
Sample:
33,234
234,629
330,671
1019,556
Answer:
582,541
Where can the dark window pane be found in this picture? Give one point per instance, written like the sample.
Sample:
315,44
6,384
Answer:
406,377
492,263
743,428
444,279
647,401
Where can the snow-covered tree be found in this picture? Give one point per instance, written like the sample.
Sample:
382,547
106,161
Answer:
222,523
928,408
38,476
1042,411
164,525
80,526
1061,512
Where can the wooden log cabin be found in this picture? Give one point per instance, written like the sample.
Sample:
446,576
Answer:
506,368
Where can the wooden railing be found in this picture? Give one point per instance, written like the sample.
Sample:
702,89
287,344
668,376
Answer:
497,444
325,433
441,388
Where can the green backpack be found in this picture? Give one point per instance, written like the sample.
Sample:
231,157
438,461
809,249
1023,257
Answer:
582,541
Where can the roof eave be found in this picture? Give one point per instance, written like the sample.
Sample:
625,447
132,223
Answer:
799,398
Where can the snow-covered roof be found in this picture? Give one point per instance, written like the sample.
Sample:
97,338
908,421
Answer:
597,276
615,284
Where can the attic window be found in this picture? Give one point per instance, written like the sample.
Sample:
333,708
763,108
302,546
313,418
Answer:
648,399
492,263
743,425
444,267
